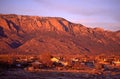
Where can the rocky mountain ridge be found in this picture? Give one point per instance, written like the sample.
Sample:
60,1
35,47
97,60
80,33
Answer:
33,34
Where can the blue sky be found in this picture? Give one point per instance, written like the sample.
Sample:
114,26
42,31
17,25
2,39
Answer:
91,13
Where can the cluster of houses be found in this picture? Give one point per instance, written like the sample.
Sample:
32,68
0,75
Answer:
32,63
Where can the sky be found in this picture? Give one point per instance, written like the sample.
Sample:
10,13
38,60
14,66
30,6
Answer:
91,13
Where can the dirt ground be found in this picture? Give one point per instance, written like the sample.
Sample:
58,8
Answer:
58,74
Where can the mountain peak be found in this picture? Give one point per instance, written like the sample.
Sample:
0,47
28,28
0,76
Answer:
46,23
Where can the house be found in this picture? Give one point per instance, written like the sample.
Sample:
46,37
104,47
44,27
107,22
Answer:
59,62
117,63
75,59
37,65
63,63
53,59
89,64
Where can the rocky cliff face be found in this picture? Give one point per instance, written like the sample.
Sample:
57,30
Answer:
33,34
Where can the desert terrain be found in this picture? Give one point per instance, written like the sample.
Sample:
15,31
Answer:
45,67
33,47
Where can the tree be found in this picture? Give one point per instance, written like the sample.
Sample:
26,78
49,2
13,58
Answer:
45,58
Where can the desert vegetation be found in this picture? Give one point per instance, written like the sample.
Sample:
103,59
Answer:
99,65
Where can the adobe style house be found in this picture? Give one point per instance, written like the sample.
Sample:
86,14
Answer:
117,63
58,61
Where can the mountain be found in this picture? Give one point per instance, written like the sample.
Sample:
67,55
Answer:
34,35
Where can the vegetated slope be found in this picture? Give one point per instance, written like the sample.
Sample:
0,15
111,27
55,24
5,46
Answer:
33,35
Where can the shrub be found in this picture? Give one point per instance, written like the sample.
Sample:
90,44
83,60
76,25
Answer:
45,58
99,66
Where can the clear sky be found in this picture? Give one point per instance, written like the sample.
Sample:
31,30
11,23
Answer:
91,13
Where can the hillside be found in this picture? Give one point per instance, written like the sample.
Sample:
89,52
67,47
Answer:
34,35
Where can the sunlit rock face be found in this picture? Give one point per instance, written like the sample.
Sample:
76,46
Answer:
34,35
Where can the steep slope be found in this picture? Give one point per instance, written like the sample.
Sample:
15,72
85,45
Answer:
33,35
